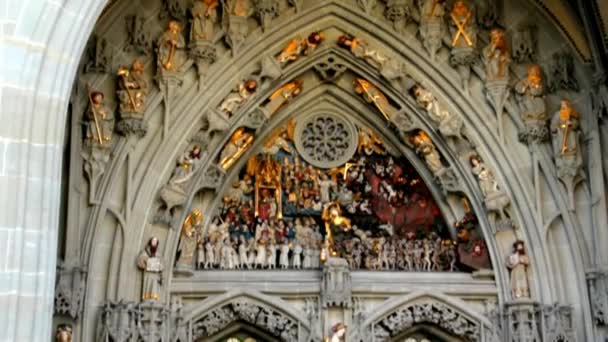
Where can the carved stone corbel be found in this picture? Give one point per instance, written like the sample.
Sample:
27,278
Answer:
497,60
213,177
97,145
69,290
204,54
256,118
396,73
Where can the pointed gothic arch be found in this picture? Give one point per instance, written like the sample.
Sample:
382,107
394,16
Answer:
268,314
425,310
190,104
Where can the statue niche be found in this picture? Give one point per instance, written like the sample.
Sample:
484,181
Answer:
373,211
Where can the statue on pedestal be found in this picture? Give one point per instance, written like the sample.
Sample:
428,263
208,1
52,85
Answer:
533,107
132,92
464,40
169,45
567,147
151,263
432,14
518,263
205,19
99,129
188,242
497,60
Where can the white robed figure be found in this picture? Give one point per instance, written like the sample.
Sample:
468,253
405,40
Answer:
152,266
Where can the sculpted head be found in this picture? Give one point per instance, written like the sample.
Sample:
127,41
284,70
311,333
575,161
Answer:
497,37
64,333
535,74
566,111
460,8
174,27
138,66
97,97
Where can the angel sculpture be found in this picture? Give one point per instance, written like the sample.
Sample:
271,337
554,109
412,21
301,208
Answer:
369,142
239,143
300,46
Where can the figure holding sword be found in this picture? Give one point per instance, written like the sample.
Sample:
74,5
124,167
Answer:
373,95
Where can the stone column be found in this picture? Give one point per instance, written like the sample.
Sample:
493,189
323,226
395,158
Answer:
41,50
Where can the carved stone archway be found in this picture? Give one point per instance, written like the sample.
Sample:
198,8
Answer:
268,314
397,316
125,200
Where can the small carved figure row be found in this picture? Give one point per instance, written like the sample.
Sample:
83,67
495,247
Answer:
228,255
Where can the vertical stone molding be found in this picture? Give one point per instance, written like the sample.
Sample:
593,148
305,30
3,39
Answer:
41,50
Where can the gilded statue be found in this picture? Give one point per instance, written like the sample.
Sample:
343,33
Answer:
151,263
239,143
283,95
425,146
373,95
100,121
189,240
518,263
464,33
64,333
300,47
431,28
464,40
169,44
450,125
361,49
497,57
533,106
238,96
132,88
205,17
369,143
567,148
332,216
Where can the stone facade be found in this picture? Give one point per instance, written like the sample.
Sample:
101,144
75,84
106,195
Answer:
108,221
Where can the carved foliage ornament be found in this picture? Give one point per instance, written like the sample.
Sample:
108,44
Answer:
430,313
270,320
326,140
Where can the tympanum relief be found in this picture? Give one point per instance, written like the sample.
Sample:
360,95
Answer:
373,210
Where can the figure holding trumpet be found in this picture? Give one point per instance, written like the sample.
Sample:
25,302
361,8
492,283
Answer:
132,88
565,127
169,45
